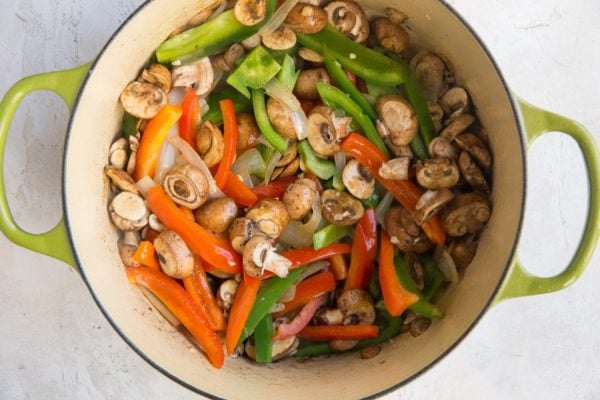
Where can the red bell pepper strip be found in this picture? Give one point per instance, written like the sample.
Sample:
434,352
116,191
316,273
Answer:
406,192
198,287
179,302
274,189
310,288
240,193
188,124
146,255
396,298
151,234
341,332
230,136
240,310
300,321
351,76
152,140
215,250
364,251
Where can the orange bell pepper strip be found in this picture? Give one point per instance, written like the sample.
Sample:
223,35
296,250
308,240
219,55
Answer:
310,288
405,191
188,124
187,213
240,310
364,251
240,193
396,298
274,189
341,332
215,250
230,135
146,255
199,289
152,140
151,234
179,302
337,265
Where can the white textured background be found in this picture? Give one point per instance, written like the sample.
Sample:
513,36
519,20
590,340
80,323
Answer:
55,344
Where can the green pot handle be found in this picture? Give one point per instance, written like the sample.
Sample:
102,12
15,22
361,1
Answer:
519,281
54,243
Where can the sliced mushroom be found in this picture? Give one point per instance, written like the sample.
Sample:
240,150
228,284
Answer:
399,118
404,232
357,180
280,116
143,100
226,61
342,345
310,55
155,223
330,316
260,254
472,173
322,134
467,213
127,247
476,148
349,18
289,170
226,294
397,151
462,250
430,204
455,101
270,216
128,212
281,348
299,198
282,38
390,36
357,307
419,326
306,85
175,258
396,168
442,148
121,179
430,71
199,74
217,215
395,15
457,126
437,173
306,18
416,270
242,230
437,114
248,132
157,75
290,154
117,154
250,12
340,208
186,185
134,144
370,352
210,144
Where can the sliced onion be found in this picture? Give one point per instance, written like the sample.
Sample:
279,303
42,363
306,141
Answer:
249,162
160,307
247,179
284,95
271,166
263,140
383,207
288,295
176,95
204,107
190,155
278,17
300,235
446,264
312,269
340,162
145,184
167,156
219,10
277,307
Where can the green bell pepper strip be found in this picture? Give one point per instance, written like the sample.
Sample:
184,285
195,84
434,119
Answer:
418,147
262,120
330,234
335,98
423,307
241,104
344,83
415,96
129,125
361,60
373,200
263,340
433,278
377,90
209,38
322,168
268,295
257,69
374,287
288,74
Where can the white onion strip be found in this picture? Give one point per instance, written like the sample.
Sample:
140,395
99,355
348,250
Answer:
446,264
383,207
278,17
167,156
299,235
284,95
312,269
160,307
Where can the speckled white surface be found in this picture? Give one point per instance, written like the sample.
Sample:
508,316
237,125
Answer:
55,344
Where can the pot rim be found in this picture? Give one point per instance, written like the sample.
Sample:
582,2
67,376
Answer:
416,374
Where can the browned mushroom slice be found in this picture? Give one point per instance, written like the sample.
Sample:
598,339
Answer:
281,348
431,203
306,18
442,148
210,144
299,198
322,134
175,258
248,132
419,326
416,270
282,38
143,100
437,114
280,116
356,307
186,185
117,154
404,232
455,101
242,229
306,85
457,126
310,55
390,36
430,71
397,151
199,74
437,173
217,215
121,179
467,213
476,148
226,294
155,224
270,216
289,170
290,154
357,180
329,316
128,212
340,208
395,15
226,61
472,173
396,168
260,254
349,18
399,119
462,250
157,75
250,12
127,247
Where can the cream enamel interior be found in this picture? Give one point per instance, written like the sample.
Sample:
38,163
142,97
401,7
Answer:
95,123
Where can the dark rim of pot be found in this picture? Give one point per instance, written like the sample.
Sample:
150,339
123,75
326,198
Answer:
392,388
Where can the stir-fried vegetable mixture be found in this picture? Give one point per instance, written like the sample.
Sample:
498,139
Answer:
297,180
